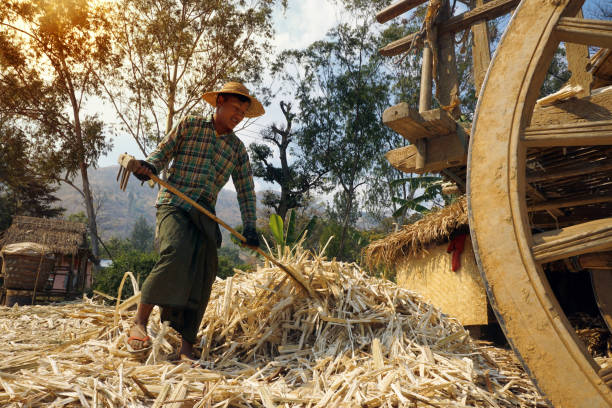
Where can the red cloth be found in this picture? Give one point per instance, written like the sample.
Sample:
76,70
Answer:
456,247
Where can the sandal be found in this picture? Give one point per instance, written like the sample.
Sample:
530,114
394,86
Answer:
145,340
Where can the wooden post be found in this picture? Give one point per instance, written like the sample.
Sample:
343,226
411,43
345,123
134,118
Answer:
447,89
481,52
424,100
577,60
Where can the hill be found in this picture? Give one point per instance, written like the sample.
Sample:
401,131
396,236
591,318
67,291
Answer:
118,210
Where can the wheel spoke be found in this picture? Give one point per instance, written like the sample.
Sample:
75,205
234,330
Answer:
589,32
592,236
572,134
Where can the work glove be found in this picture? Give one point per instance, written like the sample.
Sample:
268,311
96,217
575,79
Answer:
252,239
144,177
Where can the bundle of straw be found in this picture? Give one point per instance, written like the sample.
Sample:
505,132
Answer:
364,342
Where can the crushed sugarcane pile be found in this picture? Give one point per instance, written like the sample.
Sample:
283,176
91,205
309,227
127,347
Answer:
364,342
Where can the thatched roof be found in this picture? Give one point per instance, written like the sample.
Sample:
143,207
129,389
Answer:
60,236
413,239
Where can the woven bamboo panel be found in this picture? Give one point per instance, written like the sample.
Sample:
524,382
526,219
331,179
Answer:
459,294
19,271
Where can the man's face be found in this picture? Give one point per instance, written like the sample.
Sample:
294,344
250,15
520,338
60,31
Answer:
230,112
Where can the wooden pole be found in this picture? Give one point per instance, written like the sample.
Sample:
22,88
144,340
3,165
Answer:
424,102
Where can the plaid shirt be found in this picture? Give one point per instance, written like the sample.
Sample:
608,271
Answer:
202,164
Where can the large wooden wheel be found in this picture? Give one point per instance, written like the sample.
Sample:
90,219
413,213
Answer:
510,252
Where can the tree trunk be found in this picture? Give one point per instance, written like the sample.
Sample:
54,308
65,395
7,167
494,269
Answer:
91,215
82,157
345,223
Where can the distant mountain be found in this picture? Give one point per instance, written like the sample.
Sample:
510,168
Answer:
118,210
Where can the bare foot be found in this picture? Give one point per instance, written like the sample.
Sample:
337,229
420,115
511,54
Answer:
139,339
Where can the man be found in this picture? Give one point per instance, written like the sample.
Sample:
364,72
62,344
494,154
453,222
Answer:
204,153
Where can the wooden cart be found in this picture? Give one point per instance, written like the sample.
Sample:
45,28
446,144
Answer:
538,174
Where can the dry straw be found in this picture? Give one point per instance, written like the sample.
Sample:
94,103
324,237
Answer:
264,343
413,239
59,236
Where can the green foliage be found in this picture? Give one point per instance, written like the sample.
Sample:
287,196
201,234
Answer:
276,226
22,190
341,91
53,56
107,280
290,237
229,259
296,179
431,186
356,240
175,50
142,235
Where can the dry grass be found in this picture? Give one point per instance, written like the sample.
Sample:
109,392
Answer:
365,342
59,236
412,240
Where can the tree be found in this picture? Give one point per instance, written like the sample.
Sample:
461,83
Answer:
342,93
173,51
142,235
49,53
296,180
22,190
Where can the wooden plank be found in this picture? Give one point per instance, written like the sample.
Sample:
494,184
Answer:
488,11
413,125
577,62
397,9
447,84
588,32
594,108
481,51
597,260
425,96
443,152
538,197
555,175
406,121
573,134
570,203
589,237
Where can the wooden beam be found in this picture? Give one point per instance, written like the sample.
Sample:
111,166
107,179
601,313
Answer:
577,62
413,125
560,174
425,96
538,197
397,9
573,134
488,11
588,32
481,51
569,203
598,260
589,237
443,152
594,108
447,84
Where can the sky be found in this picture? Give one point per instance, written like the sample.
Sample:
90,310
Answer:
300,25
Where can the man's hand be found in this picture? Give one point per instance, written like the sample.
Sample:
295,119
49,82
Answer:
143,170
252,239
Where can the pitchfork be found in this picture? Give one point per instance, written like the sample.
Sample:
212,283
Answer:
126,166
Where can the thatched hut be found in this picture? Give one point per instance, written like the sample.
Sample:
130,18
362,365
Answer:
53,251
434,257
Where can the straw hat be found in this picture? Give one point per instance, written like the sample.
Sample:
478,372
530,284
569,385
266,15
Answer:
255,108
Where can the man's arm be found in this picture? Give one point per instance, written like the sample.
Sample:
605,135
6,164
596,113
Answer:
160,157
